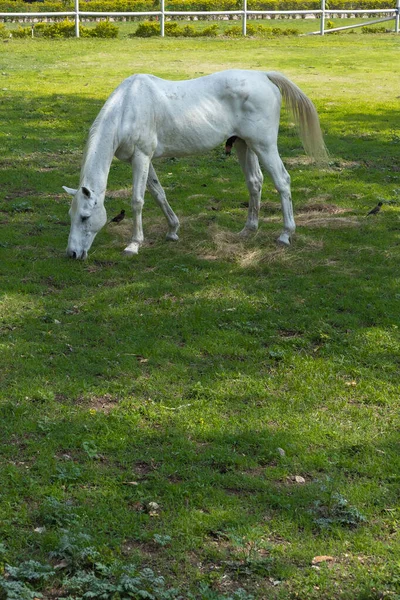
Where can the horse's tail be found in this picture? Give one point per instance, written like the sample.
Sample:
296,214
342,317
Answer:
305,116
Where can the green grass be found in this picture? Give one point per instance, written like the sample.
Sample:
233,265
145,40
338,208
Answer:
177,376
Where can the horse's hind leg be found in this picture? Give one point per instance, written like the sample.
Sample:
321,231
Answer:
271,161
140,165
156,190
254,180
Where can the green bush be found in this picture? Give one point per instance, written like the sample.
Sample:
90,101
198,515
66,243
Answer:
283,31
251,29
189,31
374,30
147,29
234,31
66,29
104,29
172,29
4,33
22,32
211,31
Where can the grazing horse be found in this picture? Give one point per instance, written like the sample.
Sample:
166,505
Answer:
147,117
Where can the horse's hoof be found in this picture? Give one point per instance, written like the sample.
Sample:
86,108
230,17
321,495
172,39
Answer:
284,239
246,232
132,249
172,237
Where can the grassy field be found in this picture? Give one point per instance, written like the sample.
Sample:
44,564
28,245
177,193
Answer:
222,412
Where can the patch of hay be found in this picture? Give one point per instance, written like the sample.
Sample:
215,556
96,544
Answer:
317,221
319,204
346,164
122,193
298,161
227,245
255,250
230,247
122,230
295,254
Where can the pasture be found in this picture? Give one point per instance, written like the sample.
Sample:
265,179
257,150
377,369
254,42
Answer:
223,412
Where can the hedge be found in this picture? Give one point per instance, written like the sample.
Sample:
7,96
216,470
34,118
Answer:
189,5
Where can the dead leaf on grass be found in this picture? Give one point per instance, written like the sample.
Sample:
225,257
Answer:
317,560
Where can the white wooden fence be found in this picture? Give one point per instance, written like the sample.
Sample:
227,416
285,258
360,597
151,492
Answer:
391,14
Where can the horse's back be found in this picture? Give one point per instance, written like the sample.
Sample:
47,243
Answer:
232,83
173,118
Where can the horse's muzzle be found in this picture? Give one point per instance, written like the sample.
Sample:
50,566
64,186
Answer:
72,254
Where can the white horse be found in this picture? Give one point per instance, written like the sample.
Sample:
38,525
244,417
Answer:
147,117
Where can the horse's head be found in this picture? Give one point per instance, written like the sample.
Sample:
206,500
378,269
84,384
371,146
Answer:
88,216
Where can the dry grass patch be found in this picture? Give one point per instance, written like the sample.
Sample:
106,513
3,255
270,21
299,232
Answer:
298,161
258,249
195,196
318,221
121,193
228,246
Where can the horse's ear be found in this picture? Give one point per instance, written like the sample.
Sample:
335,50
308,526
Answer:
70,191
86,192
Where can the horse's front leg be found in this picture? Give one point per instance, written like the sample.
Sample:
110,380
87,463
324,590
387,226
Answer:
156,190
140,165
254,180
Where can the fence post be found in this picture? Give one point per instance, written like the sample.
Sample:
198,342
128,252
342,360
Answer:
397,18
322,28
77,18
162,18
244,18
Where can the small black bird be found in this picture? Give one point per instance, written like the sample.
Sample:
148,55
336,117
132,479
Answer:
375,210
119,217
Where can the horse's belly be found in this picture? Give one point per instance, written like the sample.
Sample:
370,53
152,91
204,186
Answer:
191,139
185,149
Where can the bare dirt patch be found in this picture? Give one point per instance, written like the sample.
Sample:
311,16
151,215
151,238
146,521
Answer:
104,404
142,469
146,549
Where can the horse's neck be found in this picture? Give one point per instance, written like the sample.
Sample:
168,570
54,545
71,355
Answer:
99,153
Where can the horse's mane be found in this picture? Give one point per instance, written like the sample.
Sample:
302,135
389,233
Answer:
91,136
106,110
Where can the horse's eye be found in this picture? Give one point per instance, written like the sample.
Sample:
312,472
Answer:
83,219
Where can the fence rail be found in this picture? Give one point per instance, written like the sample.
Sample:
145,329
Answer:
323,12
